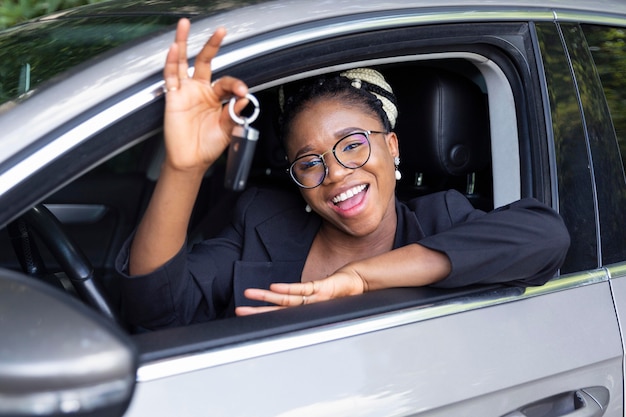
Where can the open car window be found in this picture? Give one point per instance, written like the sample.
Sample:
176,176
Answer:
483,75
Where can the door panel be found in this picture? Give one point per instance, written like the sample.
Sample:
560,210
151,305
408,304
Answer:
488,362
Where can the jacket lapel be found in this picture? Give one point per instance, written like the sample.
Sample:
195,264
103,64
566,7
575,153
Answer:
286,238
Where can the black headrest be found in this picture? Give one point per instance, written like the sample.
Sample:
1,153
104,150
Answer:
443,123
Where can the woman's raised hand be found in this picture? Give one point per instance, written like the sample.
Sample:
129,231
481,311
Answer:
197,126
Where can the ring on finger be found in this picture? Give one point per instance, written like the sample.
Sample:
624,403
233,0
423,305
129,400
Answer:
304,297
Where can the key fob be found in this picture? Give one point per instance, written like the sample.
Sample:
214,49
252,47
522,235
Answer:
241,149
240,154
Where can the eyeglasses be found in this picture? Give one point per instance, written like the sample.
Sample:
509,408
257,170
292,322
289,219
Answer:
351,151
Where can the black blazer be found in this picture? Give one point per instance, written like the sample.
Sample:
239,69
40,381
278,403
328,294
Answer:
269,237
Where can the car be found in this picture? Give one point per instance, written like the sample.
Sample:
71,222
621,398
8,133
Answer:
534,91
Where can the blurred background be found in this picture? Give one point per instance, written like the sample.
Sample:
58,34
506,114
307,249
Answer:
16,11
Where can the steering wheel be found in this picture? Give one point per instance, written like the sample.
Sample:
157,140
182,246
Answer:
72,260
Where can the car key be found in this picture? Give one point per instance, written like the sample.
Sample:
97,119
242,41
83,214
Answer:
242,145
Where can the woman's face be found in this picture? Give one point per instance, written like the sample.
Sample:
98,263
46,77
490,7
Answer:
355,201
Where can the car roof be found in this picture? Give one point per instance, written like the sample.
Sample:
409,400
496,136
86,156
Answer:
339,7
67,97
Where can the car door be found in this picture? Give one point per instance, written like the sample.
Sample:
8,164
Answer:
497,351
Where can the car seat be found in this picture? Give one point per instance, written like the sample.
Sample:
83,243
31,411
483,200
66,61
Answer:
443,134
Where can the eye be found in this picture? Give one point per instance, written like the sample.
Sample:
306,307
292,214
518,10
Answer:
353,142
308,163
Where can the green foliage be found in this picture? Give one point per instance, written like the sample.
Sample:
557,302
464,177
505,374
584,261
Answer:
16,11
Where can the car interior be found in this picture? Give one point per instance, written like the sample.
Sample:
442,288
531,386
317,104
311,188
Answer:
444,135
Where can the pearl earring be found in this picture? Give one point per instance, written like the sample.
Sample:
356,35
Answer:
307,208
396,161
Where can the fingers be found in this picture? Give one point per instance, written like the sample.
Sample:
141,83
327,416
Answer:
227,86
285,295
206,55
248,311
176,67
182,33
170,71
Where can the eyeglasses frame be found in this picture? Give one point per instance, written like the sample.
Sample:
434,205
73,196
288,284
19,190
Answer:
367,134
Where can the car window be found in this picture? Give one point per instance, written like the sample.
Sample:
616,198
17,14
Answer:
575,187
602,84
487,81
608,47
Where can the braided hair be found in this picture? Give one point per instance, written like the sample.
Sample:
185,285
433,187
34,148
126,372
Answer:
362,88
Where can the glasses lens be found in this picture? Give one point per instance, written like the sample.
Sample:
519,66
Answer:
353,151
308,170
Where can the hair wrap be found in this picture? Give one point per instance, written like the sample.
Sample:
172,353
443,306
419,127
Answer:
374,82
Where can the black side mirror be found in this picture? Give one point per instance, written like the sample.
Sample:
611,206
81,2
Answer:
58,357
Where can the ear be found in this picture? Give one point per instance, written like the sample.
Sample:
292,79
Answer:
392,144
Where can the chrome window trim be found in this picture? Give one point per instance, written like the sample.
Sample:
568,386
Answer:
594,18
615,271
224,355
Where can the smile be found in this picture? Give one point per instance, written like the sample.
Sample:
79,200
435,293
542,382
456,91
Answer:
349,194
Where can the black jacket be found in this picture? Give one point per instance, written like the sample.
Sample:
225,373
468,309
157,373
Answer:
268,241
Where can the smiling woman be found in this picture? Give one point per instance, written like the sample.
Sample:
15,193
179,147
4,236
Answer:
356,236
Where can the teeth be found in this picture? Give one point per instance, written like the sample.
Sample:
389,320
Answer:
348,194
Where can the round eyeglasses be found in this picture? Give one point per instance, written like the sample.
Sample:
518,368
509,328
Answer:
351,151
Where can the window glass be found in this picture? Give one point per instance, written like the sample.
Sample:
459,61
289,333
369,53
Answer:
608,49
576,201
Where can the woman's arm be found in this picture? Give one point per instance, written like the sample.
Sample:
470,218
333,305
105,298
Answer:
524,242
410,266
197,131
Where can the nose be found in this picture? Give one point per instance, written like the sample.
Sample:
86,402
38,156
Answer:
334,170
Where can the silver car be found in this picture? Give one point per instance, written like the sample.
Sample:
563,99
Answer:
536,89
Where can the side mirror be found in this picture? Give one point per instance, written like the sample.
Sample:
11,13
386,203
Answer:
58,357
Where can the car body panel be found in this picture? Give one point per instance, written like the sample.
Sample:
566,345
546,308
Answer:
432,367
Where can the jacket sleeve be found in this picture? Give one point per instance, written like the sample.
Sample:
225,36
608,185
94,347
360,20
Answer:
194,286
523,243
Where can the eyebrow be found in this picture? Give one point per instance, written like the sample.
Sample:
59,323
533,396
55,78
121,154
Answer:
307,149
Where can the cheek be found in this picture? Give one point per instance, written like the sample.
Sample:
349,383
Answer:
383,164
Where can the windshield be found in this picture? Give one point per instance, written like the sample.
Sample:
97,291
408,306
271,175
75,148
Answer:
35,52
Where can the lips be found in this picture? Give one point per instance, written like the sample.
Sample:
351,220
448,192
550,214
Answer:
350,198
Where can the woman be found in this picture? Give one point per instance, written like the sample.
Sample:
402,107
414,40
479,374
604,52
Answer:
354,235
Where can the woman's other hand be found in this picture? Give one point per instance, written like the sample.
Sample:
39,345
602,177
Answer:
197,125
345,282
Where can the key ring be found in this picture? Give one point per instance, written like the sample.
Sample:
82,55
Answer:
242,120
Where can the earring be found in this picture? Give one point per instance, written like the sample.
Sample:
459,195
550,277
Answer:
396,161
307,208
